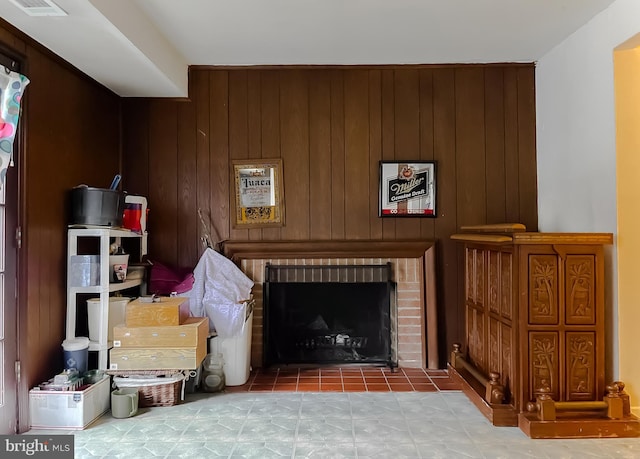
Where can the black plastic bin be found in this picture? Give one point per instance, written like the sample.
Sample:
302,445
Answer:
96,206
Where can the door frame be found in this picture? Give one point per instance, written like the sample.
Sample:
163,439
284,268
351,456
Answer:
22,388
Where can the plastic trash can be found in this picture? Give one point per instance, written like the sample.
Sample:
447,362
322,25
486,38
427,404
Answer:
236,351
76,353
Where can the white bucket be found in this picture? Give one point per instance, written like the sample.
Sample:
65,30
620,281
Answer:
117,307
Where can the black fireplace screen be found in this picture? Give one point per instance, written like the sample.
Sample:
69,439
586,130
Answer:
319,314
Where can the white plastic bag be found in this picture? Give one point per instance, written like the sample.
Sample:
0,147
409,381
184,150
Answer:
219,292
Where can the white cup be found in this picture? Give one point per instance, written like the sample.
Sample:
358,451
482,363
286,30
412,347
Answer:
124,402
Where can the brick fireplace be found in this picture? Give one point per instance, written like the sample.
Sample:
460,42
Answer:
413,267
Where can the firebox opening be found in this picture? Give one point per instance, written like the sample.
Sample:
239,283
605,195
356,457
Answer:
329,315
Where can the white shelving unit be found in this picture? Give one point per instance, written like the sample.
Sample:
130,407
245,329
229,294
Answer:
107,236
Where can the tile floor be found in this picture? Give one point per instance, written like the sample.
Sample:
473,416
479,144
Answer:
269,417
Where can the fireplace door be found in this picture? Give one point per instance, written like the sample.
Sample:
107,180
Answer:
315,315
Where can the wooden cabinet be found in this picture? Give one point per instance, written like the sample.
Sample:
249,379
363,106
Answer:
534,312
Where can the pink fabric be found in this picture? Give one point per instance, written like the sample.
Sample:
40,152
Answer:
12,85
164,280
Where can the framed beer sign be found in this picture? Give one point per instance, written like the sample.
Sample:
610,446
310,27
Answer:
258,193
407,189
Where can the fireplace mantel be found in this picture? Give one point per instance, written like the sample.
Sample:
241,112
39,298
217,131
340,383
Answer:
238,251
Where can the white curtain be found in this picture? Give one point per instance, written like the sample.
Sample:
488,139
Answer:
12,85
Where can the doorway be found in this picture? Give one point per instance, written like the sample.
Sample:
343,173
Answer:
8,284
627,97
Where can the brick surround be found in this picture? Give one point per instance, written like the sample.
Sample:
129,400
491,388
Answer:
413,289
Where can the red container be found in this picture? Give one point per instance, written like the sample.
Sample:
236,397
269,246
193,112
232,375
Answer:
132,218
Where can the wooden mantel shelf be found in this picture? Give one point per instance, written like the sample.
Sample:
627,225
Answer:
237,250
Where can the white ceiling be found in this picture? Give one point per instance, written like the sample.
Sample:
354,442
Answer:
143,48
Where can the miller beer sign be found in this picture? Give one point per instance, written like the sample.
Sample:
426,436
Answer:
407,189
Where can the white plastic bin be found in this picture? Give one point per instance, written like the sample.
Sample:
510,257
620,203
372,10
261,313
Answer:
236,351
68,409
84,270
117,308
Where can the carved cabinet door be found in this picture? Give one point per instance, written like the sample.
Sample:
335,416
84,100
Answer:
563,305
475,303
501,317
490,311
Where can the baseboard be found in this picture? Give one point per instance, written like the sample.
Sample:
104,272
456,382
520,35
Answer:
499,415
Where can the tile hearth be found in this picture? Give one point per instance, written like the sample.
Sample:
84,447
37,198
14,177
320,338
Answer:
347,379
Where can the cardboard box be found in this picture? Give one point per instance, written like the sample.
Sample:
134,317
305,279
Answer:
192,333
169,311
70,410
159,358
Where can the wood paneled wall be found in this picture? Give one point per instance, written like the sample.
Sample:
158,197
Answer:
331,127
71,135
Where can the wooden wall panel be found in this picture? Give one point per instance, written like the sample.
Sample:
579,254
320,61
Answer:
254,120
337,158
471,165
450,282
375,149
427,148
388,138
319,150
12,41
163,180
511,154
72,138
356,143
238,133
187,203
38,303
527,177
135,171
494,144
407,134
331,127
219,169
254,129
294,129
199,84
270,119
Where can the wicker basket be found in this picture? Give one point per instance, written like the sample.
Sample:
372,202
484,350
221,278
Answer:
154,390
